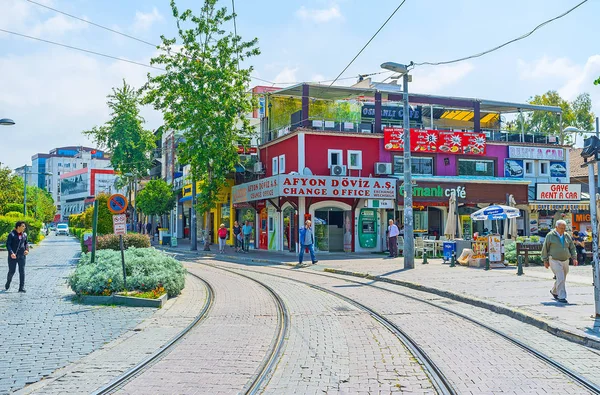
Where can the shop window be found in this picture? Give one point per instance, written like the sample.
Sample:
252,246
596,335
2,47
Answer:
529,168
334,157
421,166
544,168
354,160
476,167
274,169
281,164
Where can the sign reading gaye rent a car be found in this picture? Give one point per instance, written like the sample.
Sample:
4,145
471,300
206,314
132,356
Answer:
315,186
558,191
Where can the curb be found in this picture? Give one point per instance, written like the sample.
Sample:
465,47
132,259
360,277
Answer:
557,330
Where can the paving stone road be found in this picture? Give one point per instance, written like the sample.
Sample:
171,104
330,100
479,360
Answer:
43,330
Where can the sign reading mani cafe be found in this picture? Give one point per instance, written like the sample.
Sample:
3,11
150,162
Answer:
315,186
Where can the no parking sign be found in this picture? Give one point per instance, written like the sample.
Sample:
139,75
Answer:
117,203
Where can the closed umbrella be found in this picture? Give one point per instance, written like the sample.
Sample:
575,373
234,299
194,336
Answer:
450,230
511,223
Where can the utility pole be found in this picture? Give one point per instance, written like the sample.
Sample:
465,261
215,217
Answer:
594,240
409,237
25,192
598,164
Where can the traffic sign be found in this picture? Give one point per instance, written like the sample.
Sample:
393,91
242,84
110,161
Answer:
117,203
120,224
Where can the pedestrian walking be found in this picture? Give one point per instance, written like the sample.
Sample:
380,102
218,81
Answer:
247,231
557,249
222,233
18,248
149,229
579,247
237,229
307,241
393,233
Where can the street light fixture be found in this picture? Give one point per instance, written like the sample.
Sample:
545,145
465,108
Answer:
409,237
7,122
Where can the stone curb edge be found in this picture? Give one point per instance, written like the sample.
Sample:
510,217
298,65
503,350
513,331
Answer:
498,308
519,315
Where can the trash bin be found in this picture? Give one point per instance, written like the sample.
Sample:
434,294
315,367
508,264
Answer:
166,239
449,249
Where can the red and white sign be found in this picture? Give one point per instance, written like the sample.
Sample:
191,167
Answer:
435,141
247,150
120,224
536,153
315,186
558,191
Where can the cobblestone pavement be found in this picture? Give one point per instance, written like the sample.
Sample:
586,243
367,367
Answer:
43,330
474,359
222,354
113,359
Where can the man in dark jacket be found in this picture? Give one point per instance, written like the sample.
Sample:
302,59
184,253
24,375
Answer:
18,248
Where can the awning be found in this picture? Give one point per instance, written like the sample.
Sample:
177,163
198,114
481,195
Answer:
185,199
560,206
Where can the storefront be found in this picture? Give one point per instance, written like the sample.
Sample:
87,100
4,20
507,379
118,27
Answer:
342,210
558,202
431,199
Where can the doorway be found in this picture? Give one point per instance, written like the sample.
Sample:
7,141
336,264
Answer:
289,230
329,229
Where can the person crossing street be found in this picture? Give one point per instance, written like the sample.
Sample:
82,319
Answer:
557,249
307,241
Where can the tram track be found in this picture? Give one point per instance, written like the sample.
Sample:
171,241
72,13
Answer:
264,371
578,378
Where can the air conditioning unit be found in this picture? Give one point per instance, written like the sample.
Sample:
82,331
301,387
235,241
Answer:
258,167
338,170
383,168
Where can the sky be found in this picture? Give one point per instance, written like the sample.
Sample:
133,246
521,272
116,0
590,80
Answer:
54,93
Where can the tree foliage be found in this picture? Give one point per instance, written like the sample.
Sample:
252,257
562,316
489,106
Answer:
11,187
124,136
203,94
577,113
597,82
40,205
157,198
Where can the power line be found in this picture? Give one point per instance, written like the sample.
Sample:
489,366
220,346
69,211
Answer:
368,42
502,45
81,50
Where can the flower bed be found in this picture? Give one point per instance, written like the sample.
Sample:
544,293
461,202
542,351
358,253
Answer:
148,270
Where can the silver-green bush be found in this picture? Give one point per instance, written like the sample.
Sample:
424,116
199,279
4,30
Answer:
146,268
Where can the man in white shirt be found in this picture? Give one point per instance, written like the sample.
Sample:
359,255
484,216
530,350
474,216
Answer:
393,233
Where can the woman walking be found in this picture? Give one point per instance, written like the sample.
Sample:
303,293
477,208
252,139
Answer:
237,229
222,238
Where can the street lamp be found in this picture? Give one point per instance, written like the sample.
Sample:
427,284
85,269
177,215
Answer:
25,172
409,237
7,122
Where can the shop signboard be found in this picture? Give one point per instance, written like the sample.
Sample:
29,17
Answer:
542,153
435,141
558,171
265,188
571,192
376,203
514,168
495,248
392,113
533,223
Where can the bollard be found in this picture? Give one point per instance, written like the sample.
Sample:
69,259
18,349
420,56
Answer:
519,265
487,263
453,260
425,259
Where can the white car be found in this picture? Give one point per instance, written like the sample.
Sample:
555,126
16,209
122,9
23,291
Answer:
62,229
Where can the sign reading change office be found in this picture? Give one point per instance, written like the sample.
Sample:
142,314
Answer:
321,186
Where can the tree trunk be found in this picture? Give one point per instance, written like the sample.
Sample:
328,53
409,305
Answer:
207,231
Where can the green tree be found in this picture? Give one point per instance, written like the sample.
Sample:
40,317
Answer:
576,113
11,188
597,82
157,198
123,135
203,95
40,204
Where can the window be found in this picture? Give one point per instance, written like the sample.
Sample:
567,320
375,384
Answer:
476,167
422,166
281,164
334,157
355,160
529,168
544,168
85,165
275,162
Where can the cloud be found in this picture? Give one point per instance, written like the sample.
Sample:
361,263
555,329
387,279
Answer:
434,80
286,75
545,67
144,21
319,15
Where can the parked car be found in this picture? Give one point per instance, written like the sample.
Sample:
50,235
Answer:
62,229
557,169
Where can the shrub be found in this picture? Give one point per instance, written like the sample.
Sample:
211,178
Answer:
146,268
12,207
111,242
3,238
510,253
14,214
7,224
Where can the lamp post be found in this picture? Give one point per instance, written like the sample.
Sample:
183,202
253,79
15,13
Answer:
409,237
7,122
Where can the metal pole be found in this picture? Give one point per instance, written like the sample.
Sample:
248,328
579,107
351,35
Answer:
94,229
25,192
193,224
123,262
598,163
594,240
135,204
409,237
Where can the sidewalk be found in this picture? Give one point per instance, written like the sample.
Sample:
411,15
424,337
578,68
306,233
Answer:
526,298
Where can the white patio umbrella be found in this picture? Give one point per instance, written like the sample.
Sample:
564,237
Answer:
511,224
451,223
495,212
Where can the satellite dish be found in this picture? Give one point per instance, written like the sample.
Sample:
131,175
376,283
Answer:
307,172
294,173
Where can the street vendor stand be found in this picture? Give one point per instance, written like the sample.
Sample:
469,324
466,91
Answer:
492,247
